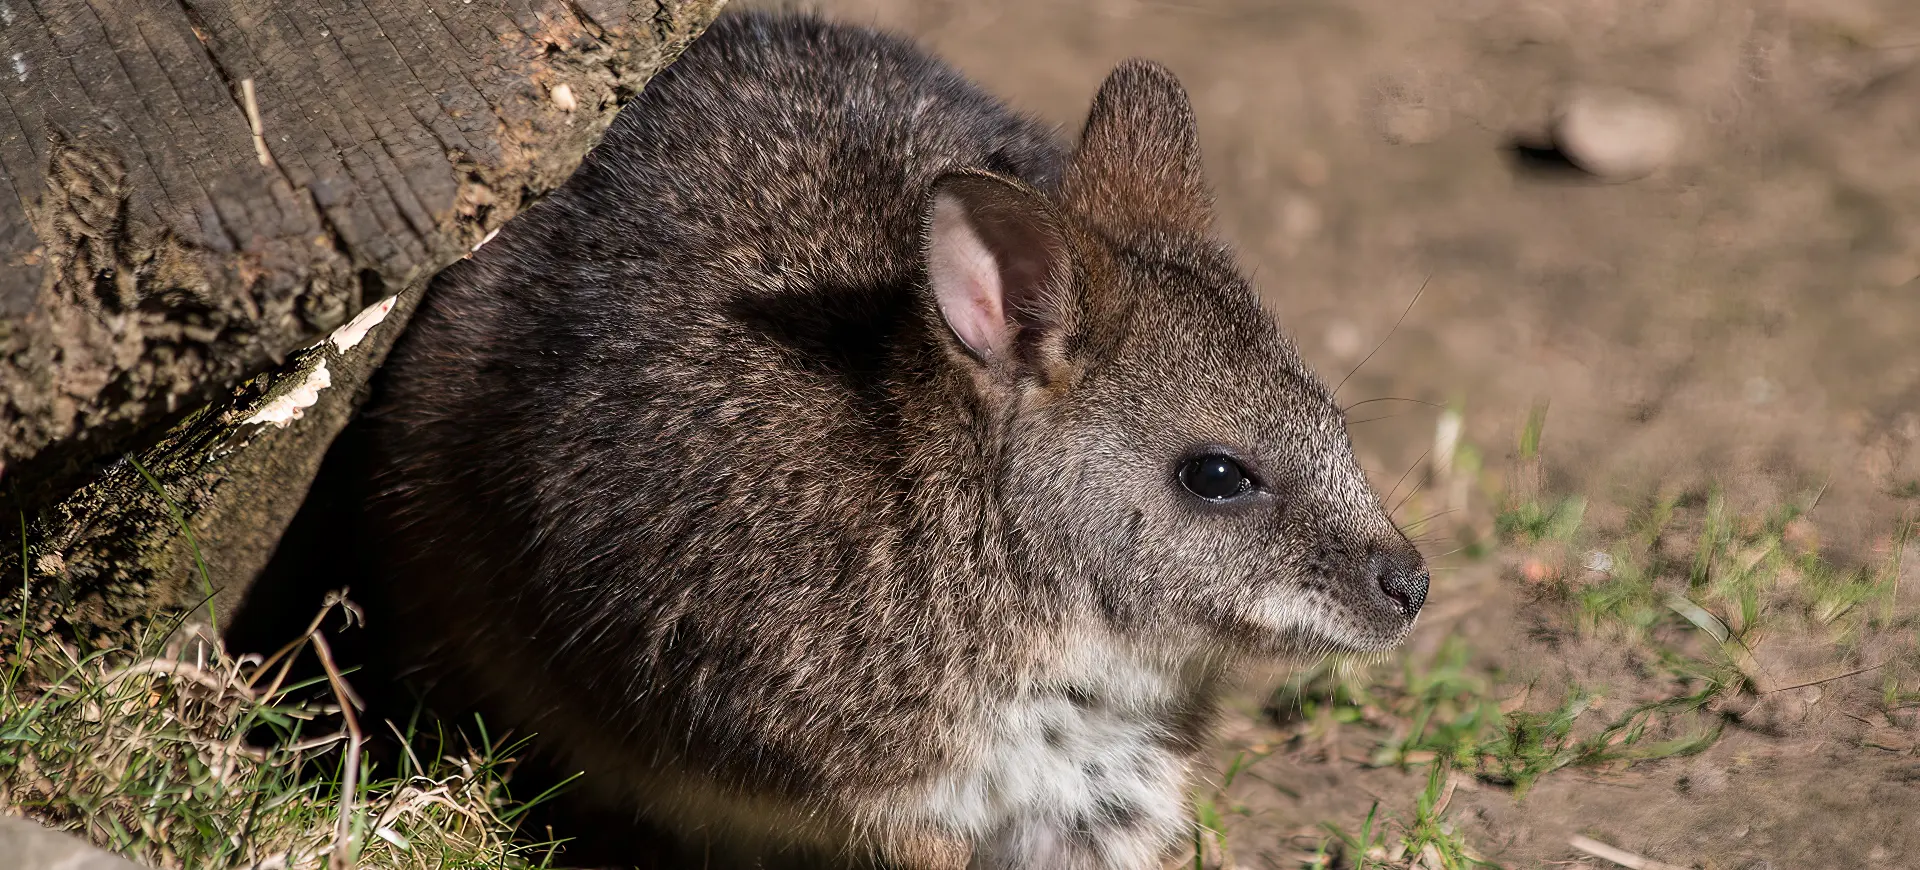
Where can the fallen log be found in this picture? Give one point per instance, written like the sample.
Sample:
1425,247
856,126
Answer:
215,219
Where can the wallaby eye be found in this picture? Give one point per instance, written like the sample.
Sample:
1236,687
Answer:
1215,477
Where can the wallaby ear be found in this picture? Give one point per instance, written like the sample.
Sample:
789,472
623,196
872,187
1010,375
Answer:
1138,163
997,262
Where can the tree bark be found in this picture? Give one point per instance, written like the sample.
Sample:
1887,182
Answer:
195,188
202,194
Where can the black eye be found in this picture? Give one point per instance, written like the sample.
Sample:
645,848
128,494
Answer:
1215,477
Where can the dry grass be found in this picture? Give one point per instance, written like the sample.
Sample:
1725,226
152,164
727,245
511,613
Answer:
177,756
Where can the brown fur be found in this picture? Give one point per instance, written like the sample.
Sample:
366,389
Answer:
686,473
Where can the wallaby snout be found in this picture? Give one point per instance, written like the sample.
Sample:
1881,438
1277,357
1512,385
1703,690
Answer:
1400,574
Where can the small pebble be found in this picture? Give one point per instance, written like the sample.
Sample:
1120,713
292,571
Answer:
1616,135
563,97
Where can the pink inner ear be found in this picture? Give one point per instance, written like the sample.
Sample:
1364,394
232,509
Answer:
966,279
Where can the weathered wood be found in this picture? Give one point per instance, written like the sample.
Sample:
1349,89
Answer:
154,250
165,261
189,521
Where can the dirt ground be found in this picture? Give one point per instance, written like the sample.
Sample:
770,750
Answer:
1746,315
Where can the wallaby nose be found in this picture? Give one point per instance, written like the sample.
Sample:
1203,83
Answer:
1401,574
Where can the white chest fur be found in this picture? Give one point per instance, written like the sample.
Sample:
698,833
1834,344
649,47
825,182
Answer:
1075,772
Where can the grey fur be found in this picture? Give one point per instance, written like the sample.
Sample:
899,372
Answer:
685,472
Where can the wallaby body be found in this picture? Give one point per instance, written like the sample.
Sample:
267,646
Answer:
838,461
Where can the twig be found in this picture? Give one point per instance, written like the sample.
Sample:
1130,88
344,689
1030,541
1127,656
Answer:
173,668
1820,495
1594,780
26,591
313,743
349,786
253,122
284,655
1446,797
1853,673
1621,857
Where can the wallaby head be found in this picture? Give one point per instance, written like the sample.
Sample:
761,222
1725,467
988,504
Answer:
1163,449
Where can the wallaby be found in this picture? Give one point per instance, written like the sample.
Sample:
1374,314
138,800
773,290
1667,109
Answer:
838,462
